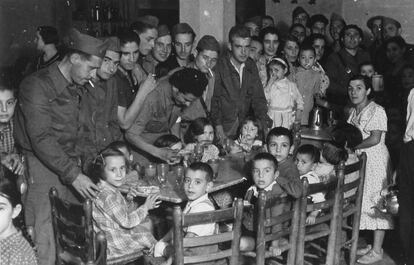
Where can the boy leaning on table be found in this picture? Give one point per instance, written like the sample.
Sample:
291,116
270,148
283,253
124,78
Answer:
198,182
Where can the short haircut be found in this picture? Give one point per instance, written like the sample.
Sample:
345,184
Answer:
127,36
256,38
397,40
367,82
268,30
280,131
203,167
6,84
295,26
351,26
365,64
345,134
166,140
268,17
49,34
310,150
306,47
313,37
140,27
266,156
239,31
119,145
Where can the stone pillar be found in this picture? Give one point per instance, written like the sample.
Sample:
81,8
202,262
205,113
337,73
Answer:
212,17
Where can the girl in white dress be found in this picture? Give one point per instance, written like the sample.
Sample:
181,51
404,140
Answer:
371,120
285,103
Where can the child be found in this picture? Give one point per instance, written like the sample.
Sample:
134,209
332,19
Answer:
280,144
266,177
308,81
14,248
201,132
250,136
284,99
366,69
169,140
198,182
371,120
118,217
10,157
307,157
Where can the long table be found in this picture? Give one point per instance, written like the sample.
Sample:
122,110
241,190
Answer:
230,172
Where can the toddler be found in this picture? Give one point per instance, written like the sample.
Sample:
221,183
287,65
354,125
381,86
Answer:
198,182
285,103
250,136
14,248
366,69
119,218
201,132
307,157
309,81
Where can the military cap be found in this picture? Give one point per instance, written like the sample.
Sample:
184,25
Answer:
208,42
113,44
189,80
86,44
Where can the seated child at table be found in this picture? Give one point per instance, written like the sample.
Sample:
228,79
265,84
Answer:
265,177
250,136
279,143
198,182
14,247
168,141
307,157
120,219
133,169
201,132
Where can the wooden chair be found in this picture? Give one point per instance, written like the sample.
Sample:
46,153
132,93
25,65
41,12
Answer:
233,214
289,221
351,210
331,212
74,235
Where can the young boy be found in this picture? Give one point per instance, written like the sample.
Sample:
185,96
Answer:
198,182
280,144
307,158
367,69
266,177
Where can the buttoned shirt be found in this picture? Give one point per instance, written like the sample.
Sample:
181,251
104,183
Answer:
158,114
120,220
47,121
99,121
6,138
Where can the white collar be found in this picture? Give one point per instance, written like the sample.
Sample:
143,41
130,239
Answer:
268,188
197,201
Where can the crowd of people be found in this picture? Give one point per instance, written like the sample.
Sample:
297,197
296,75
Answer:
86,113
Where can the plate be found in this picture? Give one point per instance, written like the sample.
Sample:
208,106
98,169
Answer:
148,189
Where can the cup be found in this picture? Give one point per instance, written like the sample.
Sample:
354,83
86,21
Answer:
199,151
214,164
150,171
162,172
179,174
377,83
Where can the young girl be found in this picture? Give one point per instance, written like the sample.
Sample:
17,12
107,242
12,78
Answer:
14,248
371,120
250,135
308,81
201,132
285,103
120,219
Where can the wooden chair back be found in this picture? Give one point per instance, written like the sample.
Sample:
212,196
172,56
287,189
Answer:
180,220
352,202
74,235
330,209
288,221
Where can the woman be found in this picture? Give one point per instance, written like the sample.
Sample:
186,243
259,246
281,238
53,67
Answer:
290,51
371,120
270,40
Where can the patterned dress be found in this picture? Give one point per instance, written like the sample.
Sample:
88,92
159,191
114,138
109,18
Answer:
15,250
373,118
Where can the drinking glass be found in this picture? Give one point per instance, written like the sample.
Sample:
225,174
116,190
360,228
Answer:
214,164
150,172
162,172
179,174
198,151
